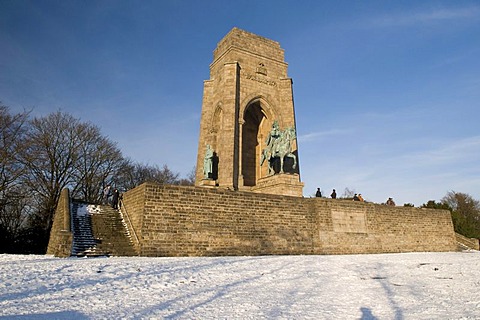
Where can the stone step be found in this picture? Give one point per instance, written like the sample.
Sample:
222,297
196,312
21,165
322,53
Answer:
99,233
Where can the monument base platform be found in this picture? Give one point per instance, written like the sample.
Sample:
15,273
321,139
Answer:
280,184
208,183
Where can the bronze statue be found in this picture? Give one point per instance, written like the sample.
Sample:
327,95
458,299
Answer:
279,145
208,163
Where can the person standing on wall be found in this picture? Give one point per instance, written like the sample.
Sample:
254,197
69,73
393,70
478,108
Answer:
319,193
115,198
334,194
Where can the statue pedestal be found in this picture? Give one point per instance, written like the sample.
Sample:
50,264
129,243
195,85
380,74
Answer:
208,183
281,184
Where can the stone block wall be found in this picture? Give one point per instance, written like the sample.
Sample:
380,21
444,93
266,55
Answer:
347,227
250,42
61,239
196,221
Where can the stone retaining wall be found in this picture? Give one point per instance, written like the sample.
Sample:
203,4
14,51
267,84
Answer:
196,221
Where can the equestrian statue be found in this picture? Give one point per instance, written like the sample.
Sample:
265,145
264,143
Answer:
279,145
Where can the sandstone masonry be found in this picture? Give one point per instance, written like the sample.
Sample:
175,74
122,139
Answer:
61,238
247,91
196,221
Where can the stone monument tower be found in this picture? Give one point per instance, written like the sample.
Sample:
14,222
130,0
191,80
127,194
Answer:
247,132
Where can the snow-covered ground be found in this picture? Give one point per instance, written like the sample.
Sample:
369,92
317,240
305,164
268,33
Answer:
383,286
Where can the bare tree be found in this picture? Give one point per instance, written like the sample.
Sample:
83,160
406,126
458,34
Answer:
153,173
125,176
51,151
347,193
14,214
12,132
13,197
189,180
134,174
40,157
99,160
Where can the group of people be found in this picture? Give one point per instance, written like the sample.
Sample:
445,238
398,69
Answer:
319,194
356,197
111,197
390,202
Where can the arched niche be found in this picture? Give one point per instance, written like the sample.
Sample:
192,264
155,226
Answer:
257,122
217,126
216,130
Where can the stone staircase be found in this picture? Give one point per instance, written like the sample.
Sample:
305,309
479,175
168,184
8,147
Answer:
466,244
98,230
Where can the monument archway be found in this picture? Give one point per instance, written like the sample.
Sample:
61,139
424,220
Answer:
256,124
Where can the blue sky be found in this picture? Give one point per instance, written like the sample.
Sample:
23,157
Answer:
387,93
